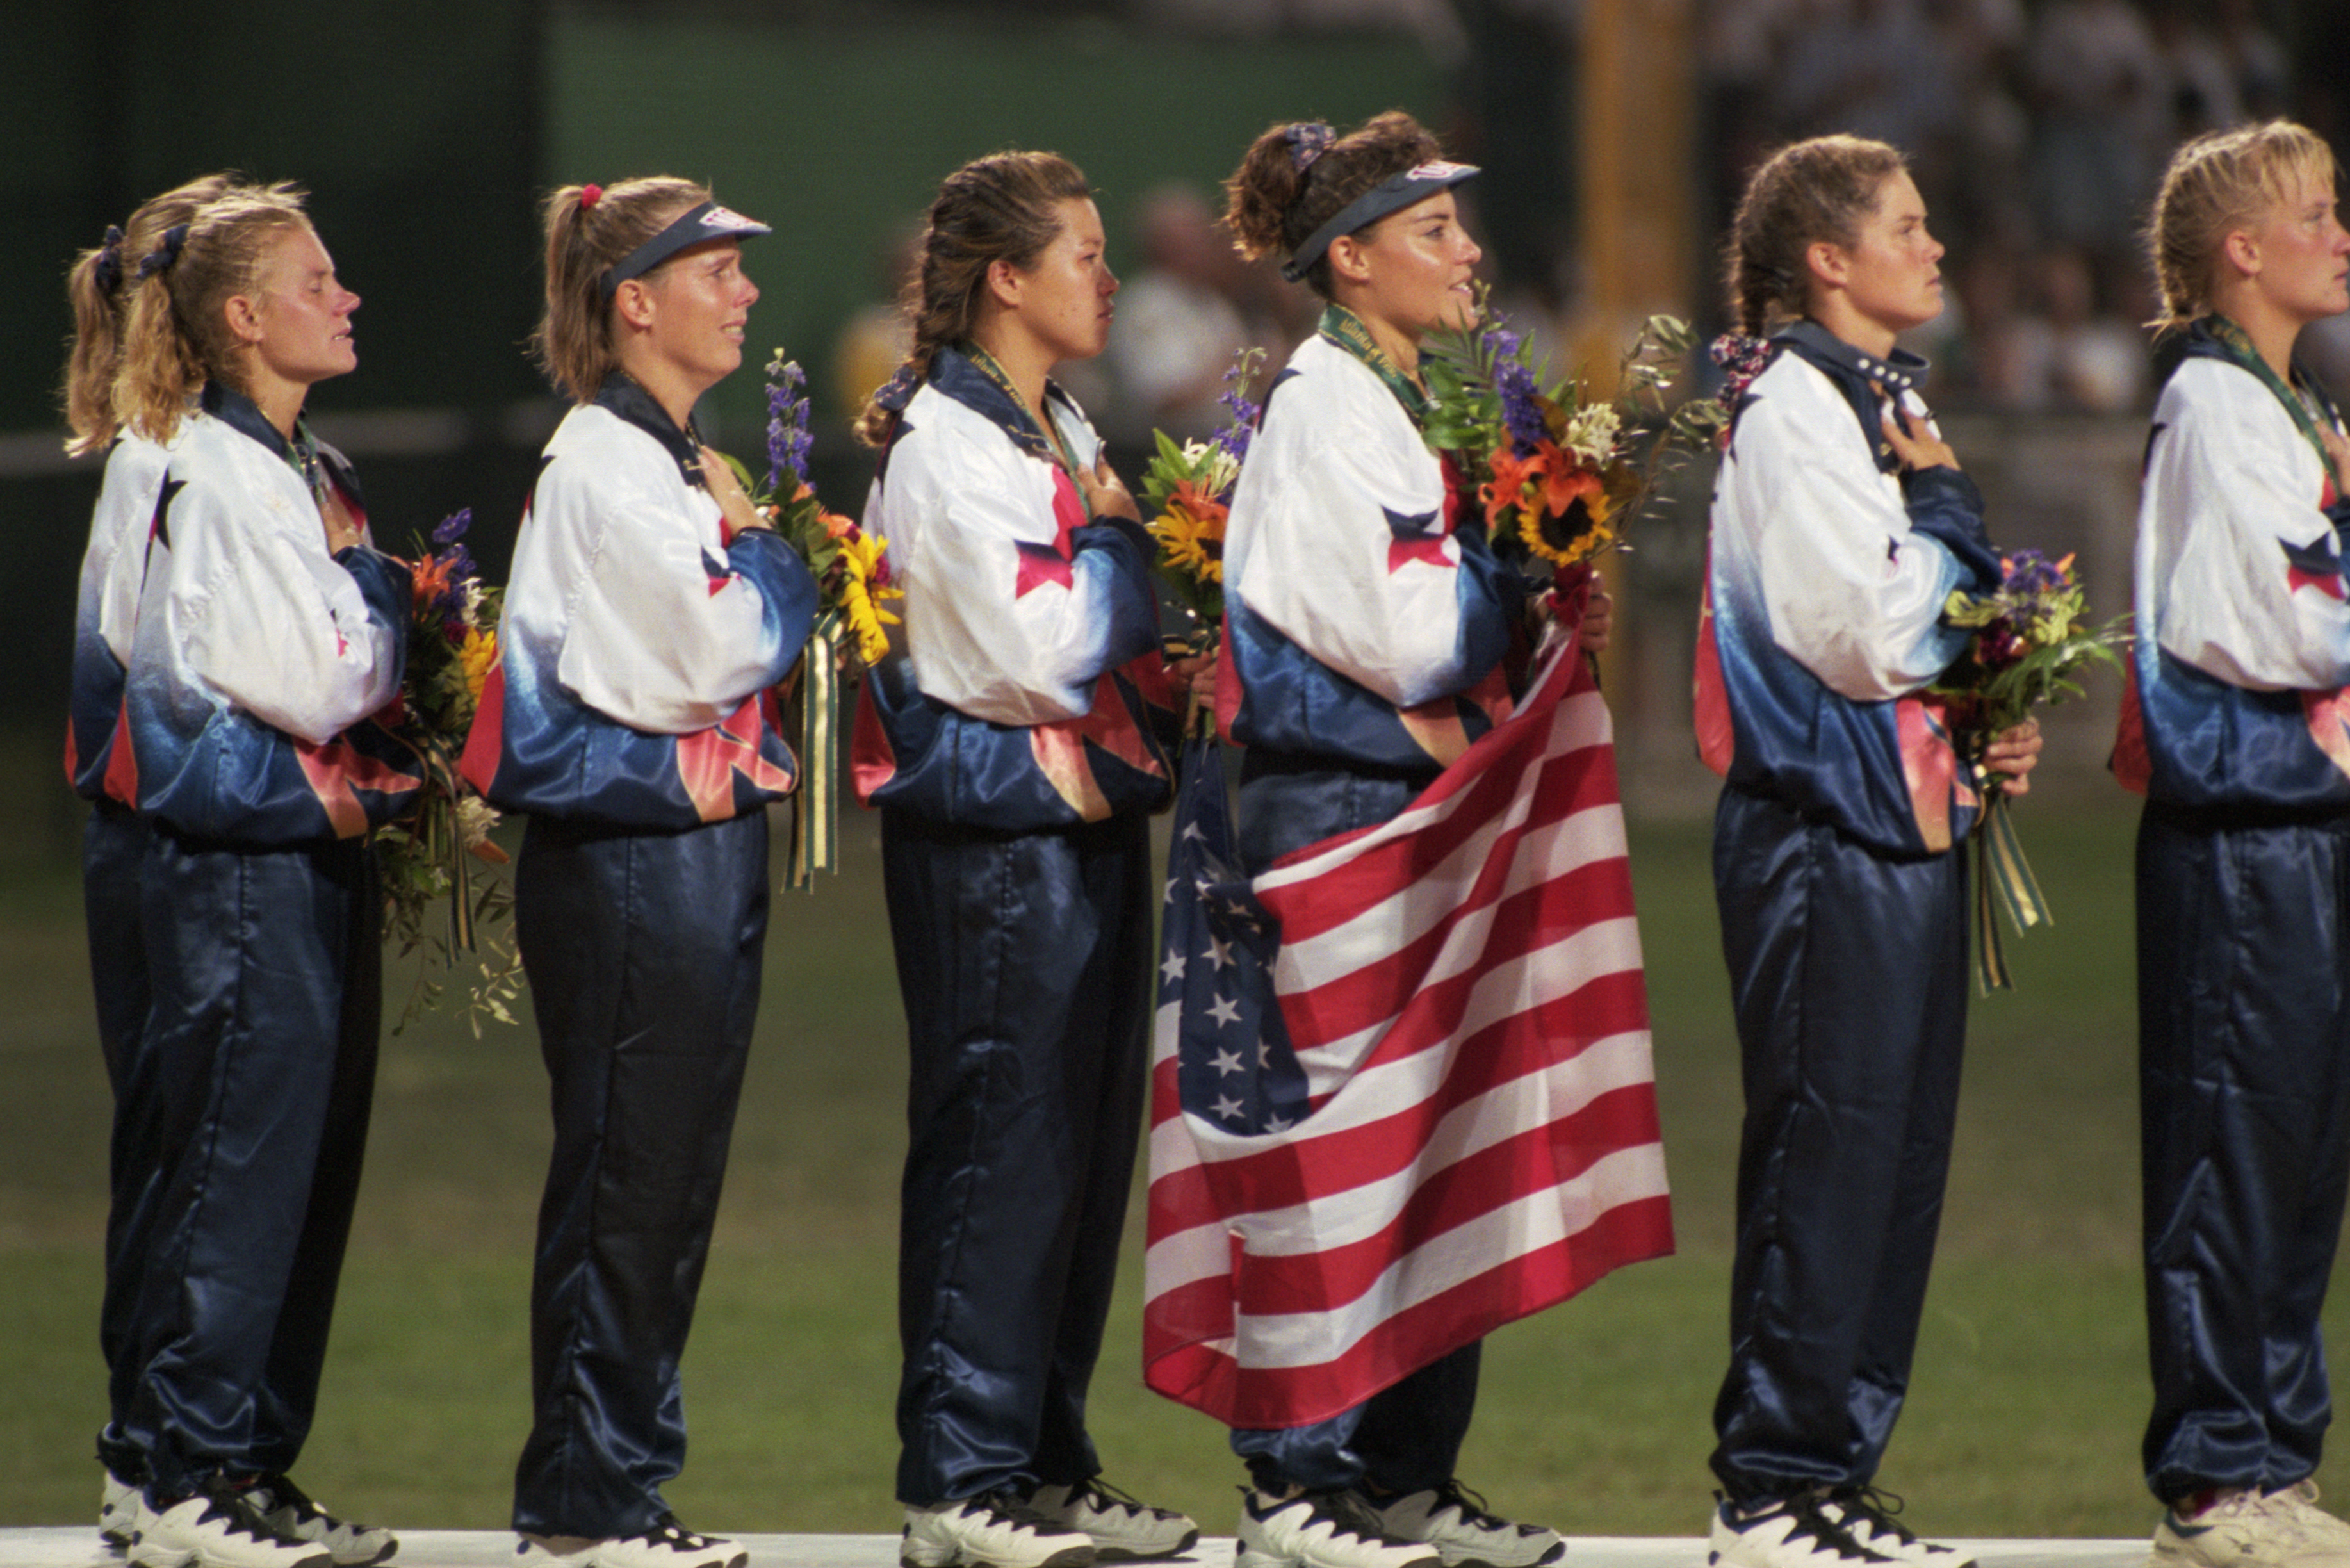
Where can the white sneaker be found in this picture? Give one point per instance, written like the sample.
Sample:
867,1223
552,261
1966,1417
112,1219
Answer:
667,1544
2241,1529
290,1510
117,1512
1320,1530
2299,1503
1123,1528
1454,1521
995,1529
1867,1516
215,1529
1790,1533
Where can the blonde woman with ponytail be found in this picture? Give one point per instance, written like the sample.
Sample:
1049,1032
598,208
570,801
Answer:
633,715
267,632
2234,730
1014,753
1841,522
114,838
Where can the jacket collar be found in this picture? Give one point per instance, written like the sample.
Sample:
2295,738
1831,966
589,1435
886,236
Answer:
1863,378
623,397
955,375
306,454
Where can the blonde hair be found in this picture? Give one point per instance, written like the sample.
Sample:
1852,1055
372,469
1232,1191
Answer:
1003,207
1297,177
98,287
2217,183
177,335
574,341
1819,189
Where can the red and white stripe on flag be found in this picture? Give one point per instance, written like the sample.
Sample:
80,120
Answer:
1462,987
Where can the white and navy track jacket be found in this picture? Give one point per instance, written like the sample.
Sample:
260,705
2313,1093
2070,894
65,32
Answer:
1828,572
258,659
105,611
2242,657
1030,690
1365,613
640,645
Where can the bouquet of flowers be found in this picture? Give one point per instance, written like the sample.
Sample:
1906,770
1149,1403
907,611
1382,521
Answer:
1558,471
1187,492
452,641
2031,642
851,568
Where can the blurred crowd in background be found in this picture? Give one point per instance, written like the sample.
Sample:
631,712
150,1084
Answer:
2036,131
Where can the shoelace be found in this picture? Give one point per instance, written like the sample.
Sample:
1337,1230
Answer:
1472,1504
1013,1508
667,1529
1878,1508
1350,1511
230,1505
1809,1520
1105,1497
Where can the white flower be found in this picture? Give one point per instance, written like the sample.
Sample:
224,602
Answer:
476,817
1211,466
1591,433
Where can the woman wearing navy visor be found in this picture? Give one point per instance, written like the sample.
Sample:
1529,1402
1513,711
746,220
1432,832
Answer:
650,614
1353,686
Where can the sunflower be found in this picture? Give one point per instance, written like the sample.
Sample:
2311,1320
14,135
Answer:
1190,533
475,655
863,586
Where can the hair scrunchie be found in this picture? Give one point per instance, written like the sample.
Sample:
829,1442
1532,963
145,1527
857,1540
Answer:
107,271
1308,139
161,258
588,196
1742,358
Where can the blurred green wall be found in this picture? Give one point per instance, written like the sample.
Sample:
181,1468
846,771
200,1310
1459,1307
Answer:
426,131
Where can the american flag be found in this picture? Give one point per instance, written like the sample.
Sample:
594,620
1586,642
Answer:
1401,1085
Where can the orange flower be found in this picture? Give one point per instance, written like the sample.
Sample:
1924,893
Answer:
430,579
1203,508
1512,474
1567,480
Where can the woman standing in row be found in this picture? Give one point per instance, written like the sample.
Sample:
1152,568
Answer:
2233,728
1841,525
1368,627
650,615
114,838
269,630
1011,754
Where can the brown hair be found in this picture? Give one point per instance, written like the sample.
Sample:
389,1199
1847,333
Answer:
98,287
1272,206
574,340
2218,182
177,335
1003,207
1804,193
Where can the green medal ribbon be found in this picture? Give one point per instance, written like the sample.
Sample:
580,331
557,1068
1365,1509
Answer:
985,363
2003,877
1343,327
814,715
2237,344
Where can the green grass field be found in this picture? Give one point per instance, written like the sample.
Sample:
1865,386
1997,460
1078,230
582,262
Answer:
2023,1419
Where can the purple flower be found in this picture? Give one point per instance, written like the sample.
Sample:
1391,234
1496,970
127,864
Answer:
2030,574
1521,412
452,527
1234,437
789,436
